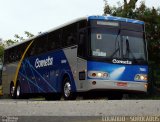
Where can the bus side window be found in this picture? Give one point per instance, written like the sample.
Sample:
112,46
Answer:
81,44
69,35
54,40
71,39
12,55
52,45
32,53
6,57
39,49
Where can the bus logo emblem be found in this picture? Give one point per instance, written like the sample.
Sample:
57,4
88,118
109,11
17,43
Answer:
115,61
44,63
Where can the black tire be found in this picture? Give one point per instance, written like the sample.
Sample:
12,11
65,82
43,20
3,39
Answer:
12,91
67,90
53,96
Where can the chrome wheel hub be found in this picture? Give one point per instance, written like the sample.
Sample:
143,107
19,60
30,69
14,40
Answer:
18,90
67,89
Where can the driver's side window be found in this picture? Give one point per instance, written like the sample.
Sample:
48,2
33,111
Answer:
82,44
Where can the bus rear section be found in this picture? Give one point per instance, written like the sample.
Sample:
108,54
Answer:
1,90
1,93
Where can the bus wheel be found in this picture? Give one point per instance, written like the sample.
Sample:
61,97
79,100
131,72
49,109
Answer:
18,93
67,90
12,90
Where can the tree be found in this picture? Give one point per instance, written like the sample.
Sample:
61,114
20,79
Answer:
10,42
29,35
150,16
1,52
18,38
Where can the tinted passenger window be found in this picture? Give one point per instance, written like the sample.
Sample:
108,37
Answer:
54,40
14,54
82,44
70,35
39,46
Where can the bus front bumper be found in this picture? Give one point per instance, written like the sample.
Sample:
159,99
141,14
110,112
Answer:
116,85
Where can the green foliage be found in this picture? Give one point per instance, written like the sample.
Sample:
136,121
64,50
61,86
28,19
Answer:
150,16
18,38
29,35
10,42
1,53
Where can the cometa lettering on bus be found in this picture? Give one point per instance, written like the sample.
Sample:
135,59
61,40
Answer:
122,62
44,63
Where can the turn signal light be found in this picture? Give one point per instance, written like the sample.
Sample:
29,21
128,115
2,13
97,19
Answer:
141,77
93,74
98,74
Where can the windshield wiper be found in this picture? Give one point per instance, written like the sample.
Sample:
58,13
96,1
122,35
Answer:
116,50
129,52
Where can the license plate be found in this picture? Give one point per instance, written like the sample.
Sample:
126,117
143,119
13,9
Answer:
122,84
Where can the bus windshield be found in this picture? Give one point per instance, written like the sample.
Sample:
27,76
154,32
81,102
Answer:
116,43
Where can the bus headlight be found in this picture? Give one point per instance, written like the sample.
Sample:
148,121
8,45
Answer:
98,74
141,77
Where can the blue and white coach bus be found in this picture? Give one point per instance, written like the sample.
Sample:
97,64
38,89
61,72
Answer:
95,53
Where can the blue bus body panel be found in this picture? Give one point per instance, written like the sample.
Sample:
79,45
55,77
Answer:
48,77
112,18
118,72
44,79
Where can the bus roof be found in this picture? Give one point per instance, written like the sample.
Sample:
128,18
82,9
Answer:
58,27
108,17
113,18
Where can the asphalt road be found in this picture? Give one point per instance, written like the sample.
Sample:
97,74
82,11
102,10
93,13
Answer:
79,108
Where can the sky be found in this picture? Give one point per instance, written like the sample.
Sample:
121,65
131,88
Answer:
17,16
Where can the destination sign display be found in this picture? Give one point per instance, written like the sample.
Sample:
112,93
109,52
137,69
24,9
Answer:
109,23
